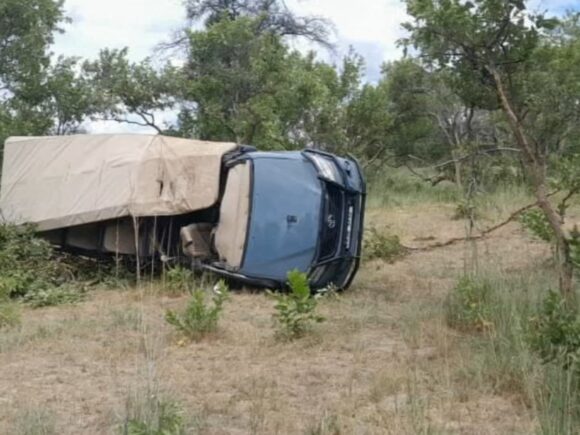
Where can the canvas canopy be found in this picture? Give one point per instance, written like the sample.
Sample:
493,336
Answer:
61,181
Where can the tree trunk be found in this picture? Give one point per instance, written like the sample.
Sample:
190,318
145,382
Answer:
457,166
536,168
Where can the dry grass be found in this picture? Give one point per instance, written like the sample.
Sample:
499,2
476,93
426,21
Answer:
383,362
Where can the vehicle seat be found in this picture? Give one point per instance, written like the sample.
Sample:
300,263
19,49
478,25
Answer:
196,240
232,227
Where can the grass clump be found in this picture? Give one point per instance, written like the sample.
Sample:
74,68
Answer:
383,246
34,421
398,187
153,415
200,318
296,310
179,280
9,314
468,306
526,343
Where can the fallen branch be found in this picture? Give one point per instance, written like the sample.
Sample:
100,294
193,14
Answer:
479,236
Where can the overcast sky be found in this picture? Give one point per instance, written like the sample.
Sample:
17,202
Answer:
372,27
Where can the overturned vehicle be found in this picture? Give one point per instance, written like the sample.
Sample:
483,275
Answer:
248,215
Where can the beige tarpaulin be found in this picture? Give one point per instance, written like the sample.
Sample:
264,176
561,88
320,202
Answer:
60,181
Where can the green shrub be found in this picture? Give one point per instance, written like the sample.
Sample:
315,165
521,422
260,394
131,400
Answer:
25,262
65,294
386,247
200,317
153,416
30,271
296,310
468,307
555,332
537,224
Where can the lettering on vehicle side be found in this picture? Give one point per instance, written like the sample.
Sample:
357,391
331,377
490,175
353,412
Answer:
349,219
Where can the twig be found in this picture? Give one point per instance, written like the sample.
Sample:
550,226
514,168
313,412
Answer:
480,236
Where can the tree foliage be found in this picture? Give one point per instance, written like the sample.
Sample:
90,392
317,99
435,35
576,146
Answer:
272,16
240,80
499,55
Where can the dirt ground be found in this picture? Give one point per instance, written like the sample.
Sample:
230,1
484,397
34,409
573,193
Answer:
383,361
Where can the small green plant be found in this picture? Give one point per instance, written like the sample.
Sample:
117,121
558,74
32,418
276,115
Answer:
555,332
200,318
537,224
179,280
468,306
377,245
153,416
296,310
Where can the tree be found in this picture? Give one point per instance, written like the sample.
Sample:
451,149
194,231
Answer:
38,95
27,29
124,88
243,85
273,16
68,98
489,48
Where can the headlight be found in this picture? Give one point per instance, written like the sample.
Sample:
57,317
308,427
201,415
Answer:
326,168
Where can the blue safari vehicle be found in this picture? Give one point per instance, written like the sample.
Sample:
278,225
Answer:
301,210
244,214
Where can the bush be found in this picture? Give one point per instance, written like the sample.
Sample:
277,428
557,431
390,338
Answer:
65,294
296,311
25,262
537,224
468,307
153,416
200,318
30,271
555,332
386,247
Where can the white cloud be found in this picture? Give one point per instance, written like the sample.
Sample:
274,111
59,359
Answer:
372,27
139,25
